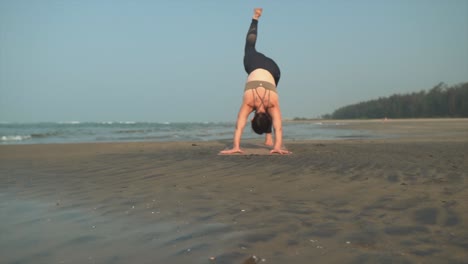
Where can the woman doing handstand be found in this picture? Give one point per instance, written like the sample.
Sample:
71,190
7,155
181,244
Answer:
260,95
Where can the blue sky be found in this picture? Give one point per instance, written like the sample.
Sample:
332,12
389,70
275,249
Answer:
181,60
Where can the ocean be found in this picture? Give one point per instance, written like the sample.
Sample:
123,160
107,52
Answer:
88,132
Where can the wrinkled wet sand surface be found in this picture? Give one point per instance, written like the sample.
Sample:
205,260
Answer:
353,201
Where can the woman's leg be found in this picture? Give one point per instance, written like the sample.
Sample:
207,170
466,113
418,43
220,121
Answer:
250,41
251,38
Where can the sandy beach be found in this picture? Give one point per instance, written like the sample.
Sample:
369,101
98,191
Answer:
397,199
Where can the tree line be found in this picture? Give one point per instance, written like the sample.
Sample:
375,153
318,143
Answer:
440,101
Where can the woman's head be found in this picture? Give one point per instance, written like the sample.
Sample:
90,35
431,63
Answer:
261,123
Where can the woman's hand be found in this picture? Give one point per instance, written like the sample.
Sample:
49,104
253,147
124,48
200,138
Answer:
231,151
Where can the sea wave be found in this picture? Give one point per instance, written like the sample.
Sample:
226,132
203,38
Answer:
135,131
118,122
45,135
15,138
70,122
119,131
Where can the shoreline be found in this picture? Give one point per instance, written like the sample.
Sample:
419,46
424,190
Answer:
293,131
378,200
410,129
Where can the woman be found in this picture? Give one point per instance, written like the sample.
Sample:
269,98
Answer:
260,95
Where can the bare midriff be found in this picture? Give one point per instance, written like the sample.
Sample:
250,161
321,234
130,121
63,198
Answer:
261,75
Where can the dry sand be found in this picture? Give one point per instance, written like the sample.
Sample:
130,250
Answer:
397,200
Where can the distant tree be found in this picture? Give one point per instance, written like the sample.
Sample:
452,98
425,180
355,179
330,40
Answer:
440,101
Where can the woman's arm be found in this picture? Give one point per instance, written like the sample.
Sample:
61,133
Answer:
242,116
275,113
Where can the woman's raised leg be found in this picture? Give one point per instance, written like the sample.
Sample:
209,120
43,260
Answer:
251,38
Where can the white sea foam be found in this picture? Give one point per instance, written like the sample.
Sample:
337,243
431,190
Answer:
15,138
70,122
118,122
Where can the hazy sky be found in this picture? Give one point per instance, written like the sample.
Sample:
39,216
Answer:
181,60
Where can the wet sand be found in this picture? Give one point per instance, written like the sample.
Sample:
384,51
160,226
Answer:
393,200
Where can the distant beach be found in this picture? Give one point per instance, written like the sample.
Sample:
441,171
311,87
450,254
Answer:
391,191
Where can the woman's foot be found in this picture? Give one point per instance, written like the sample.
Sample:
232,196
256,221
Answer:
257,13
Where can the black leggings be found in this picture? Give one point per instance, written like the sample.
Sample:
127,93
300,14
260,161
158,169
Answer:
253,59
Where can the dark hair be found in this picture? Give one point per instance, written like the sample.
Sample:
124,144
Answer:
261,123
